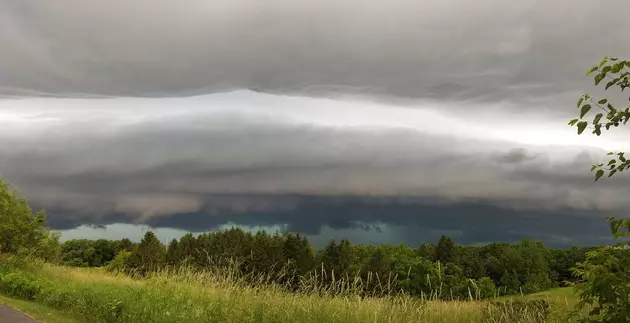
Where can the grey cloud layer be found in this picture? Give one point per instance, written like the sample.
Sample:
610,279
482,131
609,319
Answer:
455,49
143,167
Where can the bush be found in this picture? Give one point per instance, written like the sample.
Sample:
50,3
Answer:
11,263
119,264
605,285
19,284
486,288
20,229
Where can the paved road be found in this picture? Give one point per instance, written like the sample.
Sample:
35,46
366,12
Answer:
9,315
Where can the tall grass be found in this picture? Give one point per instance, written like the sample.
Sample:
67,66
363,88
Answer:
184,295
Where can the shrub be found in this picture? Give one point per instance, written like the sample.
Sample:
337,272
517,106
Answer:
19,284
12,263
20,229
120,263
486,288
605,286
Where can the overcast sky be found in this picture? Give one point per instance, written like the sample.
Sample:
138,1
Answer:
383,121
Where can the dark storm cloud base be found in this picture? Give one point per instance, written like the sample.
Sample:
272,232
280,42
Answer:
410,222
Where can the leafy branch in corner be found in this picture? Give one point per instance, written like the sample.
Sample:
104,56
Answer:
616,72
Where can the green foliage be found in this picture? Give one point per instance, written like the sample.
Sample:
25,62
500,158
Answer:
606,287
92,253
120,262
605,273
289,260
171,253
510,282
48,248
150,256
563,260
19,284
485,288
427,251
21,230
616,73
445,250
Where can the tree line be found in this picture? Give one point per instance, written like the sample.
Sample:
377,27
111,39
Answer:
443,269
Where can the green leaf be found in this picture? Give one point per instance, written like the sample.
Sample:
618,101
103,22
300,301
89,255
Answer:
581,126
610,153
606,70
593,167
585,109
597,118
593,69
611,83
612,172
580,100
612,161
573,122
599,174
598,78
603,61
602,101
614,226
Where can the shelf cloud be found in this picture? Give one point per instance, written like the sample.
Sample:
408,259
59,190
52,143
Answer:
373,116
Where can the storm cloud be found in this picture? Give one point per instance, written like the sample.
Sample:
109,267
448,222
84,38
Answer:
387,117
457,50
250,159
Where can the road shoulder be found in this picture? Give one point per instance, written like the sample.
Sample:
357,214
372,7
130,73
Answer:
37,312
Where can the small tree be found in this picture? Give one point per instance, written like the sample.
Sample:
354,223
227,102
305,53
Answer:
48,248
150,255
445,250
171,253
20,229
124,245
485,288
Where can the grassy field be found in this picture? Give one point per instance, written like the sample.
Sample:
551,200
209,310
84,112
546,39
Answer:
97,296
557,295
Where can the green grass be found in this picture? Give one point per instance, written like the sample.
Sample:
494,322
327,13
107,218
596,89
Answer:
203,297
39,312
562,299
561,294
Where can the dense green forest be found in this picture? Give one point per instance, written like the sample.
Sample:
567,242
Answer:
444,269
